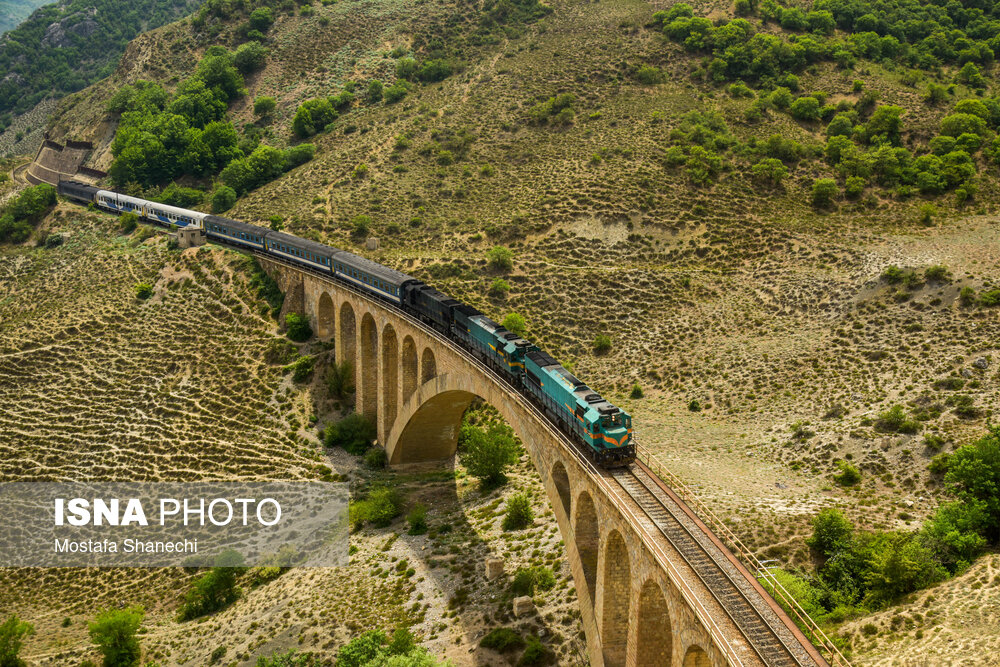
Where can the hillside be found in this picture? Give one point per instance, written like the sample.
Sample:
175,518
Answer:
15,11
768,334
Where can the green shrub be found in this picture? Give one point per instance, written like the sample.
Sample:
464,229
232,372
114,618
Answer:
823,192
769,170
848,475
990,298
302,369
384,505
487,453
636,391
128,222
114,632
12,634
535,653
500,258
502,639
264,106
354,433
340,380
361,227
143,291
529,580
289,658
602,344
417,518
213,590
694,405
896,420
297,327
938,273
499,288
649,75
519,514
376,458
967,296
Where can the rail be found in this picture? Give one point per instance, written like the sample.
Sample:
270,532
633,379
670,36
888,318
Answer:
809,626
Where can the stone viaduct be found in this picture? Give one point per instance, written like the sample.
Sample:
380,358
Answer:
640,604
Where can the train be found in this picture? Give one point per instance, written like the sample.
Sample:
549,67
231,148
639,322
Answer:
601,428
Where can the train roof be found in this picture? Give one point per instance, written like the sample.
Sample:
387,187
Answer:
125,198
237,224
373,268
302,244
197,215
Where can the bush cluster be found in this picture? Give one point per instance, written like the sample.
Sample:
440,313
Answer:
22,214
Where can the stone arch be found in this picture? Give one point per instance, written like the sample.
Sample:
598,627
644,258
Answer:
617,598
561,480
587,533
409,366
347,342
431,433
428,365
325,319
655,640
390,374
696,657
368,403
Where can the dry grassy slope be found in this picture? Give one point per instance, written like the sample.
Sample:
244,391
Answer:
99,385
763,310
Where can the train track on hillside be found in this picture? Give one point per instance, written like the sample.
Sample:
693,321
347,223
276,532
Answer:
769,637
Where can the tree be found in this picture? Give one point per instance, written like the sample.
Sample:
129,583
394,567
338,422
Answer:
805,109
957,124
514,322
823,192
770,170
223,199
297,327
500,258
264,106
519,513
832,532
354,433
213,590
12,634
114,632
261,19
374,91
884,125
974,475
841,125
488,453
971,76
250,57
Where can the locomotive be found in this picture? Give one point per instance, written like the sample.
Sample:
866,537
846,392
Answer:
604,430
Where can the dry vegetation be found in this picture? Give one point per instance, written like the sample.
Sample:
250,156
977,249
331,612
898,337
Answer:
774,317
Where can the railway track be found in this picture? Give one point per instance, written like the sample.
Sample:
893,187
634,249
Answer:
770,639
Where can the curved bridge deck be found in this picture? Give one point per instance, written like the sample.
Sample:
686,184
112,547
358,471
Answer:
656,585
